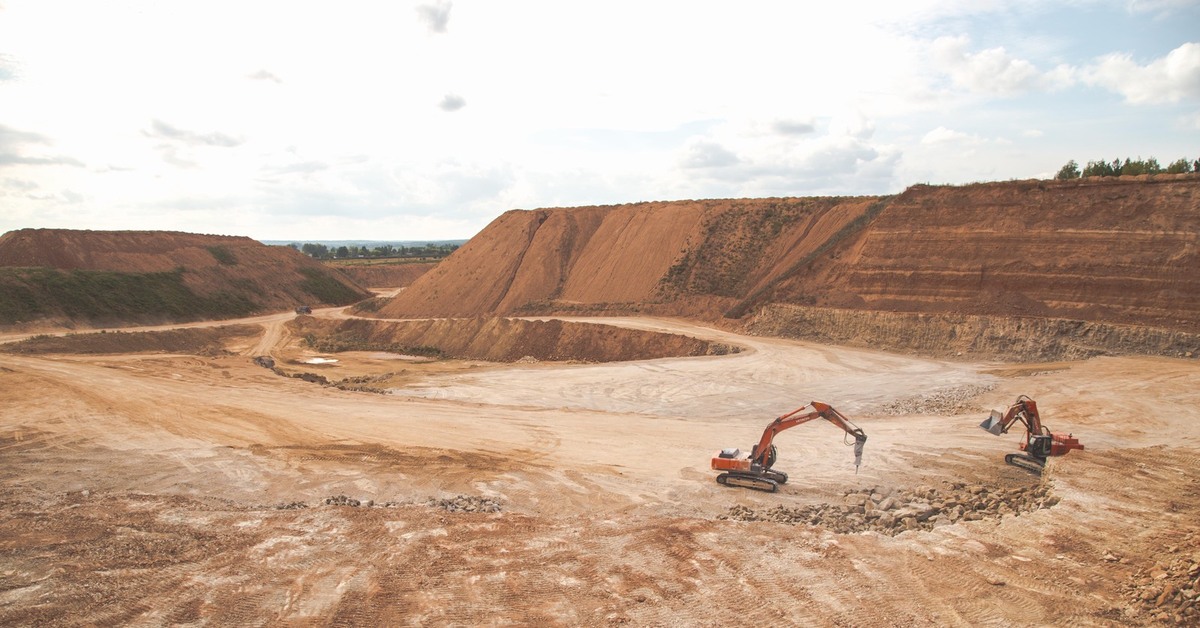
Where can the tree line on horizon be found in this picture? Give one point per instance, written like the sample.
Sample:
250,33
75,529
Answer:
1117,168
321,251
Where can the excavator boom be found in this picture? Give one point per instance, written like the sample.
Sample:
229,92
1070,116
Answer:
1039,442
754,470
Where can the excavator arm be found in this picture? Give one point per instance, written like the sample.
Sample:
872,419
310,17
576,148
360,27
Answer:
754,470
1039,442
1024,410
764,454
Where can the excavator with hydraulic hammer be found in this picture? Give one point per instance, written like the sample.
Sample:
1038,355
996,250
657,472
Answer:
753,470
1039,442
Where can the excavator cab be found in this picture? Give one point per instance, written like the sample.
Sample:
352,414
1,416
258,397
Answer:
1039,445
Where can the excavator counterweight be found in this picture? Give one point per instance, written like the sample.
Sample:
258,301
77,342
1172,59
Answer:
753,469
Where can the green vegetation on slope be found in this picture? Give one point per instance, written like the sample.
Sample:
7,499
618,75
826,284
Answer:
852,227
732,246
325,288
31,293
223,255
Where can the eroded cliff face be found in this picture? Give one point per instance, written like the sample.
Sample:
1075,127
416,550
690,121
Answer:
1120,251
1113,250
1116,252
1005,338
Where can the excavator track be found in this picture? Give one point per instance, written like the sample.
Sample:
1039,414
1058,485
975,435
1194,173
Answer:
755,482
1023,461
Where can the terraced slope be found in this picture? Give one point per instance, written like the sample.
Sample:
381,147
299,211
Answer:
1113,250
1120,251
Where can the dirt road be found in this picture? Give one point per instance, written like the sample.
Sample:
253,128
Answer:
158,489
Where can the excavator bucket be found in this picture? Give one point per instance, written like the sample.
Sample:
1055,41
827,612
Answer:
993,423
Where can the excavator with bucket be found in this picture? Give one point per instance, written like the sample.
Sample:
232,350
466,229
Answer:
754,470
1039,442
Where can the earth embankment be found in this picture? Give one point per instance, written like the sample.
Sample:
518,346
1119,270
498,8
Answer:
114,278
683,258
501,339
1007,338
383,274
1098,255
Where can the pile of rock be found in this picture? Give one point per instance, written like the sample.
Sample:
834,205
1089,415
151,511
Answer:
465,503
362,383
311,378
342,500
264,361
1168,592
944,402
889,511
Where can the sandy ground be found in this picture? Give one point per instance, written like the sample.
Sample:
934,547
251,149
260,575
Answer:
181,490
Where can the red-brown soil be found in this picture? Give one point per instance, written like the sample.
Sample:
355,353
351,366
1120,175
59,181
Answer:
670,257
504,339
199,488
383,274
195,340
153,489
238,269
1120,250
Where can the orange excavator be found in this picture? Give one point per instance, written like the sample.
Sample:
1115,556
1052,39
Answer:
1039,442
754,470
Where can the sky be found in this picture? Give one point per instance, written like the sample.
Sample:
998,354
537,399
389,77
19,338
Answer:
395,120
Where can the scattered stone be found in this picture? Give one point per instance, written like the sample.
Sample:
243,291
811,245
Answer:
943,402
360,383
923,508
465,503
342,500
1164,592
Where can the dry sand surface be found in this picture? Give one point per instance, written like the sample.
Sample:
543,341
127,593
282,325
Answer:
156,489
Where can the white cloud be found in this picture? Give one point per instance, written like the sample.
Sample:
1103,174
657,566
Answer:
706,154
162,130
452,102
16,146
992,71
942,135
8,67
1171,79
1161,8
303,113
435,16
264,75
793,127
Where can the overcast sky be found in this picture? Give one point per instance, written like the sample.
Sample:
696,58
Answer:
425,120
